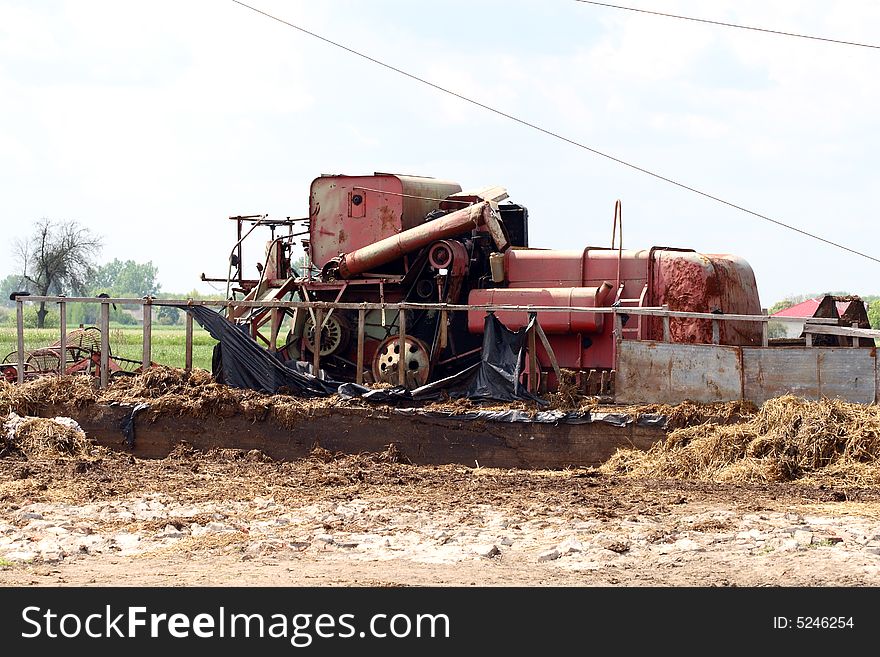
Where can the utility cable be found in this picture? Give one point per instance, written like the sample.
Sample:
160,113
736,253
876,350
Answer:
741,27
558,136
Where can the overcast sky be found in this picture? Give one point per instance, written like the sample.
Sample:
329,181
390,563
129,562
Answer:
151,122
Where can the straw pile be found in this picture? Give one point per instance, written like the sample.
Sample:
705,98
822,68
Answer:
37,437
788,439
30,398
687,414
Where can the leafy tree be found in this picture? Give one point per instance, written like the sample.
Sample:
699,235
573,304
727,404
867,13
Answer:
9,285
126,279
874,313
58,258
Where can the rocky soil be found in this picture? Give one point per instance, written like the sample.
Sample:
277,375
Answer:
230,518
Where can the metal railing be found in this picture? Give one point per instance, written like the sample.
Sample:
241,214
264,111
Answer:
812,325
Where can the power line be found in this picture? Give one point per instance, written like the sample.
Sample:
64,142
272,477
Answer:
558,136
741,27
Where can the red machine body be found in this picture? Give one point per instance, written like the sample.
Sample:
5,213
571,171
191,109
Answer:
390,238
681,279
351,212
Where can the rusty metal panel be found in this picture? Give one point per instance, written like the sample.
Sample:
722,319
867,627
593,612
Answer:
668,373
809,372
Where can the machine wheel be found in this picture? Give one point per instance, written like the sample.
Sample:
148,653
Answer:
418,361
335,334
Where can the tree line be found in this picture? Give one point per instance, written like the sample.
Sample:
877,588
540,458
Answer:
61,257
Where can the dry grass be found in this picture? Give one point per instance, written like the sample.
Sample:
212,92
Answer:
41,438
689,413
788,439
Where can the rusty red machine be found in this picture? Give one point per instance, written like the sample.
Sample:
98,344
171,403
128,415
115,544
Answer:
387,238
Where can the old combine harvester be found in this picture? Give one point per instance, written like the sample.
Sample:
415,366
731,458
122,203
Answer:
391,238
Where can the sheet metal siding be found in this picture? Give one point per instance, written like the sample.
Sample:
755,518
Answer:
815,372
658,372
667,373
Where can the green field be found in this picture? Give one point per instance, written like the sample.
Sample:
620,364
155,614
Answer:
127,342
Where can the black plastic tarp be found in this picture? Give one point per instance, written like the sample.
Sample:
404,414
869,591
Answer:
239,361
242,363
497,377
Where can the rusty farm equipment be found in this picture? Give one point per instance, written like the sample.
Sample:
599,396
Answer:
388,239
81,355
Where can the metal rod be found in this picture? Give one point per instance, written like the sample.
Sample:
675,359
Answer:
19,325
362,317
147,358
105,344
188,349
855,340
667,333
401,341
316,341
62,316
716,332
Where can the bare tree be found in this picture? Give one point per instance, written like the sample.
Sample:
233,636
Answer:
58,258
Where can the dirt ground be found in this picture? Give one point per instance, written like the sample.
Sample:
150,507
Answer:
231,518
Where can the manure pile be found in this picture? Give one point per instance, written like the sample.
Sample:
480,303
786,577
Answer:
787,439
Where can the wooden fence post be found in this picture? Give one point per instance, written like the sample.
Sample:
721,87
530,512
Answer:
533,361
316,341
188,348
401,341
105,344
362,317
62,316
147,356
19,325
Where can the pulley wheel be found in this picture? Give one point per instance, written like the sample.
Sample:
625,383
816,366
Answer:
334,336
417,361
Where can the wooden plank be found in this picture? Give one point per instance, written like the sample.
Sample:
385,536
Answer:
105,344
188,343
670,373
274,326
809,372
19,328
401,343
62,343
842,330
147,358
550,354
362,316
421,439
444,337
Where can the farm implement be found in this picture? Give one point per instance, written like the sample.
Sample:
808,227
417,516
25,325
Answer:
80,355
